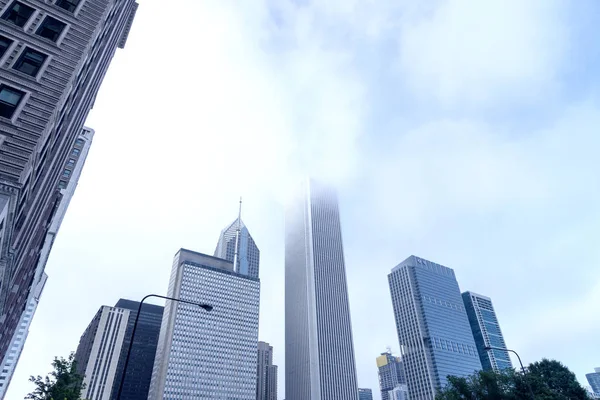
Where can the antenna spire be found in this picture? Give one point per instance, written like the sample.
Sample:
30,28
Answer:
237,238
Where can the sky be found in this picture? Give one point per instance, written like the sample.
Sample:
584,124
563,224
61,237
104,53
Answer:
462,132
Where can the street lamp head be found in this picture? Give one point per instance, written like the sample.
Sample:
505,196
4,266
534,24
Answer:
206,307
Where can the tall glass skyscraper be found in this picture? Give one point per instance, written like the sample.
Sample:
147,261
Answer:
486,331
432,324
391,373
248,253
319,351
207,355
365,394
594,381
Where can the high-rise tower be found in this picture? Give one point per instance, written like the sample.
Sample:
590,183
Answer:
53,57
593,379
432,324
391,373
266,380
319,351
486,332
207,355
248,255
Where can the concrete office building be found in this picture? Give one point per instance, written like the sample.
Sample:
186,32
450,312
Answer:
248,253
400,392
365,394
204,354
98,352
53,57
143,350
391,373
67,184
594,380
486,332
16,346
433,328
319,350
266,380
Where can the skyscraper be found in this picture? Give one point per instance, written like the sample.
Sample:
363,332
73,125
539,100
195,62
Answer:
143,350
248,253
16,346
391,373
53,57
365,394
594,380
207,354
432,324
67,184
486,332
266,382
98,352
319,351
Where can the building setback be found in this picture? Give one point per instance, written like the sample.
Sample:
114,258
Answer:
266,379
248,253
486,332
98,352
391,373
143,350
365,394
53,57
319,350
207,354
432,324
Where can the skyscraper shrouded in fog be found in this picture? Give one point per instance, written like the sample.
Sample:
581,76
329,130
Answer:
432,324
53,57
207,355
248,257
319,350
486,332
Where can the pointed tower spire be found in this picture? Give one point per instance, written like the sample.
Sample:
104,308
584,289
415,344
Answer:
237,238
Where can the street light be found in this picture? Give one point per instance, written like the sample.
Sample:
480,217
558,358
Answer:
206,307
488,348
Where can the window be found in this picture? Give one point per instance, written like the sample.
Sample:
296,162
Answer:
51,28
62,184
4,44
75,152
9,100
66,173
71,163
30,62
18,13
69,5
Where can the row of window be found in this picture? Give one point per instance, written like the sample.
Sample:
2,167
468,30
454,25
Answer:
19,13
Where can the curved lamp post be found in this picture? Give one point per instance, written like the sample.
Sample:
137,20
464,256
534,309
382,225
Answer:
206,307
488,348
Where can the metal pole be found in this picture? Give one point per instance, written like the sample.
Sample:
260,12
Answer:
206,307
520,362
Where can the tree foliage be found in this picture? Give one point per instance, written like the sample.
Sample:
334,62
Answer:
63,383
545,380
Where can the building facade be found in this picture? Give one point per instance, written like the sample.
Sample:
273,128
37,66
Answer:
391,373
486,332
143,350
432,324
319,350
69,180
208,355
365,394
248,253
400,392
98,352
594,380
16,346
53,57
266,379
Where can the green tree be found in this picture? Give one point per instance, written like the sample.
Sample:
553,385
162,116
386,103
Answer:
63,383
547,379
